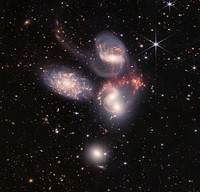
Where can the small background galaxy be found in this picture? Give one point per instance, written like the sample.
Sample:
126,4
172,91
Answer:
100,96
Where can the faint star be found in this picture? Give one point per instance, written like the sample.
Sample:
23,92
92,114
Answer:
27,22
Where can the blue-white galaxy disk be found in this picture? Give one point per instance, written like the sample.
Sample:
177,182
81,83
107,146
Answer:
67,83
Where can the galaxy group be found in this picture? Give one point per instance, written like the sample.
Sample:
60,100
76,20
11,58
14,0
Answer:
100,96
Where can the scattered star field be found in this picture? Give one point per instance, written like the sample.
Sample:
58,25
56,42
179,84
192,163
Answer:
100,96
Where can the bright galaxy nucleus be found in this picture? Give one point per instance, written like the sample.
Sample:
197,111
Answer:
96,155
112,100
68,83
115,98
112,55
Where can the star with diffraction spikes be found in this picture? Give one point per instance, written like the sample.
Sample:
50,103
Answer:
155,44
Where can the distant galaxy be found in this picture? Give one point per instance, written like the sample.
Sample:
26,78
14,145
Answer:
96,155
112,100
107,60
100,96
110,49
67,83
116,97
110,61
111,53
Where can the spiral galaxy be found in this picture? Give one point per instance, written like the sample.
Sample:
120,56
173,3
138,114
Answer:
68,83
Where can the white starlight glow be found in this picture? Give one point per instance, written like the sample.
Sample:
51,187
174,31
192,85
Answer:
113,102
116,98
169,4
101,167
194,68
111,58
96,155
157,45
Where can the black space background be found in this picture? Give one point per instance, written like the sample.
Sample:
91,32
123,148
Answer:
163,132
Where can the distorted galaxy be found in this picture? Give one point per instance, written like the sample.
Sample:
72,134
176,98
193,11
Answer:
67,84
100,96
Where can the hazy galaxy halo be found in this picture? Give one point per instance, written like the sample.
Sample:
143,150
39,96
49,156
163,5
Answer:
100,96
67,83
116,93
